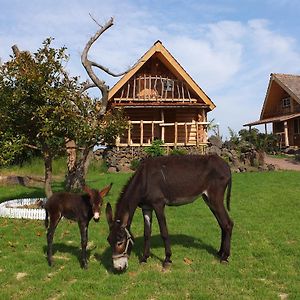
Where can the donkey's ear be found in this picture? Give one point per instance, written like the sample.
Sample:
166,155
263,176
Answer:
125,219
105,191
108,212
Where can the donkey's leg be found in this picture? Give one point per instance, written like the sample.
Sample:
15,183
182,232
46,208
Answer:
216,205
147,213
160,214
54,220
83,226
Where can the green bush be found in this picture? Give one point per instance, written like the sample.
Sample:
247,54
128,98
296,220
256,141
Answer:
134,164
155,149
176,151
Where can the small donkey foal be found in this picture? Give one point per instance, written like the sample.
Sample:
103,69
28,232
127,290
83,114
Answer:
77,207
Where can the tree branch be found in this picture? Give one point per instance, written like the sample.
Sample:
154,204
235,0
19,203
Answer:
88,66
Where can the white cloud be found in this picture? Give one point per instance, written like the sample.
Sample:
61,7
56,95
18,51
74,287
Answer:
230,60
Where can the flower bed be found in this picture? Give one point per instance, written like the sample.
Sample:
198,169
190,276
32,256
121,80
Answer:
23,208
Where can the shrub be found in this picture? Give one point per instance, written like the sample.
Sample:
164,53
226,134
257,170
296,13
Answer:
177,151
134,164
155,149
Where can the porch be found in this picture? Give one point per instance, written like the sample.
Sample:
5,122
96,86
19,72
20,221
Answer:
143,133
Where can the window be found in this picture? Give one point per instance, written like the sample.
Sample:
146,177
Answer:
286,102
297,126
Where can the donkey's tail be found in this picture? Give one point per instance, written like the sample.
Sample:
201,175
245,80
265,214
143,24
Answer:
228,193
46,219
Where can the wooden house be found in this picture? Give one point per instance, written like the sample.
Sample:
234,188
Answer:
282,108
161,101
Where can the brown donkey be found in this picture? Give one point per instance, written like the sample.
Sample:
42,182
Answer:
169,180
77,207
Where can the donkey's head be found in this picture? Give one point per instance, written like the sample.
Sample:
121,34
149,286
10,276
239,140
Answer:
96,199
119,239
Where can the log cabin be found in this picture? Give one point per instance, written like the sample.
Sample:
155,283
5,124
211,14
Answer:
281,108
161,102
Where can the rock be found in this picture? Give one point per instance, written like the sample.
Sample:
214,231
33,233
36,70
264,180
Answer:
215,141
289,151
271,167
214,150
112,170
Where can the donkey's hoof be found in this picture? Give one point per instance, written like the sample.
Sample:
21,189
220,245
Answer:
84,265
167,264
143,260
224,261
50,262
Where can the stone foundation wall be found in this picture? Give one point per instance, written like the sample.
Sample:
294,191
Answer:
246,158
124,159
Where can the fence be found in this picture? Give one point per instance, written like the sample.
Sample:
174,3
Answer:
12,209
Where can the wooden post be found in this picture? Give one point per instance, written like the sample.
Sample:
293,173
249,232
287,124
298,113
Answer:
197,134
266,128
286,134
129,134
152,132
145,86
176,133
118,141
139,88
162,127
186,134
134,84
162,88
128,89
142,133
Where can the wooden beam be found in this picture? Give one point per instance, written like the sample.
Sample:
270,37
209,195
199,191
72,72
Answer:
134,84
162,128
176,134
186,134
152,132
129,141
197,134
142,133
286,134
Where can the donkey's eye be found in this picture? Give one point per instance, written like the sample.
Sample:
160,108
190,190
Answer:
119,244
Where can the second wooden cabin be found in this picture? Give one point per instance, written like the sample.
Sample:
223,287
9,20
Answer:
162,102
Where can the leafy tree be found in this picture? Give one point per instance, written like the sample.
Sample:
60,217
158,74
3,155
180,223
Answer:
43,108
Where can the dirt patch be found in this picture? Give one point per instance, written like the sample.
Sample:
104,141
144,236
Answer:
19,276
283,163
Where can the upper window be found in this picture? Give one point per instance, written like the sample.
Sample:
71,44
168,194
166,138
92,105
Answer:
286,102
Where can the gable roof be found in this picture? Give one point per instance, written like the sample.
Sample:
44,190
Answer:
288,82
173,66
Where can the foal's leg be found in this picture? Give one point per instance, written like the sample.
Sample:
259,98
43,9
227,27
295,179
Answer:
83,226
54,220
147,213
160,214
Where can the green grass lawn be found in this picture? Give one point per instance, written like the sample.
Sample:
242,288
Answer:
264,262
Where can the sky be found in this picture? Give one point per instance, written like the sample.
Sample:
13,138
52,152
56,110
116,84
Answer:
229,47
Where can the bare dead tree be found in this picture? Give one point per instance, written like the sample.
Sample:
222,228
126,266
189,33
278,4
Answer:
77,166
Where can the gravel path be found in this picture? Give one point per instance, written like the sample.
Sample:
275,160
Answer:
283,163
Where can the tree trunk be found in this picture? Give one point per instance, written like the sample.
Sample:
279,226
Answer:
48,172
75,178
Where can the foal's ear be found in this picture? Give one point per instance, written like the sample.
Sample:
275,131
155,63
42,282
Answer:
108,212
105,191
86,189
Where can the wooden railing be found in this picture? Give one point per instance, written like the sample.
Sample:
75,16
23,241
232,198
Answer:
157,88
139,138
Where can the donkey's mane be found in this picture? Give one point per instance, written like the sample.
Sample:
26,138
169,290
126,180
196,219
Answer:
123,192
